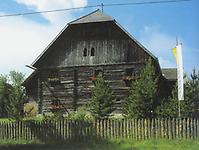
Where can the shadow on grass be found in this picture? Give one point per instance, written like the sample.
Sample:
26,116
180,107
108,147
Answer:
57,132
75,135
89,145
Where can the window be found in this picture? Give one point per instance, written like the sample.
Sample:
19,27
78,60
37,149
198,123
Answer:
54,74
85,52
54,77
92,51
98,72
129,72
129,75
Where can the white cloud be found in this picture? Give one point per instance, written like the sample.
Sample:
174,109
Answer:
159,44
22,40
157,41
41,5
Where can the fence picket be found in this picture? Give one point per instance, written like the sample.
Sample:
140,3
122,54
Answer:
136,129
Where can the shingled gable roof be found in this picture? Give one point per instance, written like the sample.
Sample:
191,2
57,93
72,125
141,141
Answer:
96,16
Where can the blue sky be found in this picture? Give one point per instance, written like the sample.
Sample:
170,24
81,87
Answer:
155,26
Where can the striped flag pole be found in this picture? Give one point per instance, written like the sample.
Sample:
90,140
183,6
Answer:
177,51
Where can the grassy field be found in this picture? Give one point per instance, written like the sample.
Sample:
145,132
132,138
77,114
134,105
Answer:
104,145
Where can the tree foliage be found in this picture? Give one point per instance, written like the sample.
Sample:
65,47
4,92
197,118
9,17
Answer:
101,104
192,93
189,106
142,99
12,94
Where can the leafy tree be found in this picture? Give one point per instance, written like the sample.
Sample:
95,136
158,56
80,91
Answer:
12,94
142,99
101,104
6,100
189,106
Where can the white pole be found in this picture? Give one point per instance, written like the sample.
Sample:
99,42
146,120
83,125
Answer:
180,76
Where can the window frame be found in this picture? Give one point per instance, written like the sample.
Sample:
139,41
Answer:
85,52
92,51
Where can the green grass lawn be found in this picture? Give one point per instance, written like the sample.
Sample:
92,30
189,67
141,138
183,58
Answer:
104,145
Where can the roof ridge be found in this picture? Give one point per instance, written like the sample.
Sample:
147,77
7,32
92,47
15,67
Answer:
91,17
83,16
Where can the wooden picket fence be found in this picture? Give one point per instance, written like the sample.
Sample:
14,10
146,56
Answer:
135,129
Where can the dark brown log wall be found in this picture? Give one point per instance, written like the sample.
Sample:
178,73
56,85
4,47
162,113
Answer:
111,45
75,84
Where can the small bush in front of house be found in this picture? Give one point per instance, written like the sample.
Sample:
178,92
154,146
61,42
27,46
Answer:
117,117
30,109
81,115
49,116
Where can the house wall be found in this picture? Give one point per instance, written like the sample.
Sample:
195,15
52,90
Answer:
114,52
110,43
75,86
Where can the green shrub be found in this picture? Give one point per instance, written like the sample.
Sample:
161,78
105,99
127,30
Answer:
7,120
49,116
38,118
81,115
30,109
117,117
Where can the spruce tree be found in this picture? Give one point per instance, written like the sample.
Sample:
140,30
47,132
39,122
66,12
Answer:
101,104
142,99
189,106
192,94
169,107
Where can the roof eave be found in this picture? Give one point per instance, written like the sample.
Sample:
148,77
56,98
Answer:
49,45
146,50
26,81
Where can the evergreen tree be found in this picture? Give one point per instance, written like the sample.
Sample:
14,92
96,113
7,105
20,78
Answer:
189,106
170,106
192,94
101,104
12,94
142,99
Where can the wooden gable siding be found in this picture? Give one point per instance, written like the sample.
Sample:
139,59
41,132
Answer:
75,86
110,43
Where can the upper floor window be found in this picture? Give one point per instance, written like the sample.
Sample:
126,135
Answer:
85,52
98,72
92,51
54,77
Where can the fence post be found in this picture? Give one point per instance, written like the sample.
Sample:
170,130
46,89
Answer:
136,129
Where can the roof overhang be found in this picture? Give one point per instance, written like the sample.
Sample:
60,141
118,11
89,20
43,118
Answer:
169,73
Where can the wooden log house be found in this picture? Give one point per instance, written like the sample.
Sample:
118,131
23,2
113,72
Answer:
93,44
